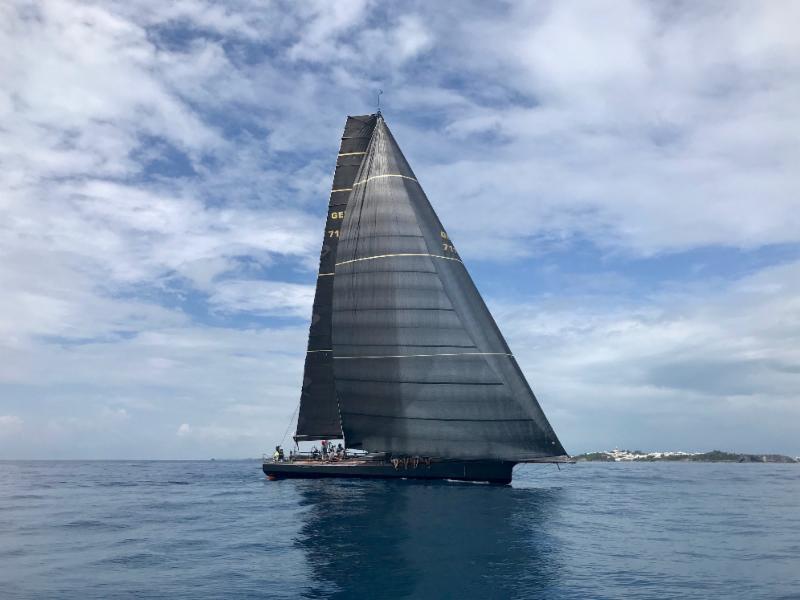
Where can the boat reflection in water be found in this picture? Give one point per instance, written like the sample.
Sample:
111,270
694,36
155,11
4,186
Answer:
390,539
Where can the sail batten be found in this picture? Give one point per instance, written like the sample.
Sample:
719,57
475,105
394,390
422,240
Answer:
399,287
345,262
423,355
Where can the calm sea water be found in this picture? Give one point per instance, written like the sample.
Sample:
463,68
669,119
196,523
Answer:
219,529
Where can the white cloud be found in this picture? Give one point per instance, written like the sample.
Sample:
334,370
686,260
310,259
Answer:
643,129
90,423
217,433
401,41
247,20
10,424
115,415
263,298
82,85
323,23
685,366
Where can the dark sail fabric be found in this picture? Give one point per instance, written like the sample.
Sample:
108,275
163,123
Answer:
420,366
319,414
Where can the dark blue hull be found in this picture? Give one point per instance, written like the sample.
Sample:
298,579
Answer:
498,472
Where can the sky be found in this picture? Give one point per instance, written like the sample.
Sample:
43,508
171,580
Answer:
622,180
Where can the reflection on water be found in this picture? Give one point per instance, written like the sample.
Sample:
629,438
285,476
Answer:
372,539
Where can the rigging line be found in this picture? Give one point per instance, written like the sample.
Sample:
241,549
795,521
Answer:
351,153
365,169
326,274
289,426
310,351
387,175
342,190
390,255
428,355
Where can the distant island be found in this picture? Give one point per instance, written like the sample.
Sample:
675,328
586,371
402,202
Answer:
713,456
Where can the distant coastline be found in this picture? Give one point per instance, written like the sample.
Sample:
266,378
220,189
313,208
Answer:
713,456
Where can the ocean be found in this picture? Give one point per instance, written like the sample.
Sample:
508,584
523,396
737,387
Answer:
218,529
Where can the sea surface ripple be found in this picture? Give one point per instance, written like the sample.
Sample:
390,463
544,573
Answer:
185,529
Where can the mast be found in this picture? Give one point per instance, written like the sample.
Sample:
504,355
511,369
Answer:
318,416
420,367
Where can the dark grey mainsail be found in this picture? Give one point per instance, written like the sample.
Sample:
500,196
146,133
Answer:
420,367
318,417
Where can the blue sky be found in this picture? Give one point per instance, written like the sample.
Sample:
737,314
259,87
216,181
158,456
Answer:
621,179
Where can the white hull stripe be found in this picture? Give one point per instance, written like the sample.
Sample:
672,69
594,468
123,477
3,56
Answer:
391,255
427,355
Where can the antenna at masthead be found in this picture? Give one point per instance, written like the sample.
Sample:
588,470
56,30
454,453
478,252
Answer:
378,112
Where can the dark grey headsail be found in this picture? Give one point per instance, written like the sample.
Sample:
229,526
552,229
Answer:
420,366
319,415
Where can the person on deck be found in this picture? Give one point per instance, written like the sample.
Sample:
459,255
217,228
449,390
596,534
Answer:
277,455
315,453
280,454
340,450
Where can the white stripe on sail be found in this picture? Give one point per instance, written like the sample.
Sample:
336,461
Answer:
379,176
428,355
391,255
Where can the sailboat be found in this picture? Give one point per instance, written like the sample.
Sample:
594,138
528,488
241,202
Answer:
405,362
